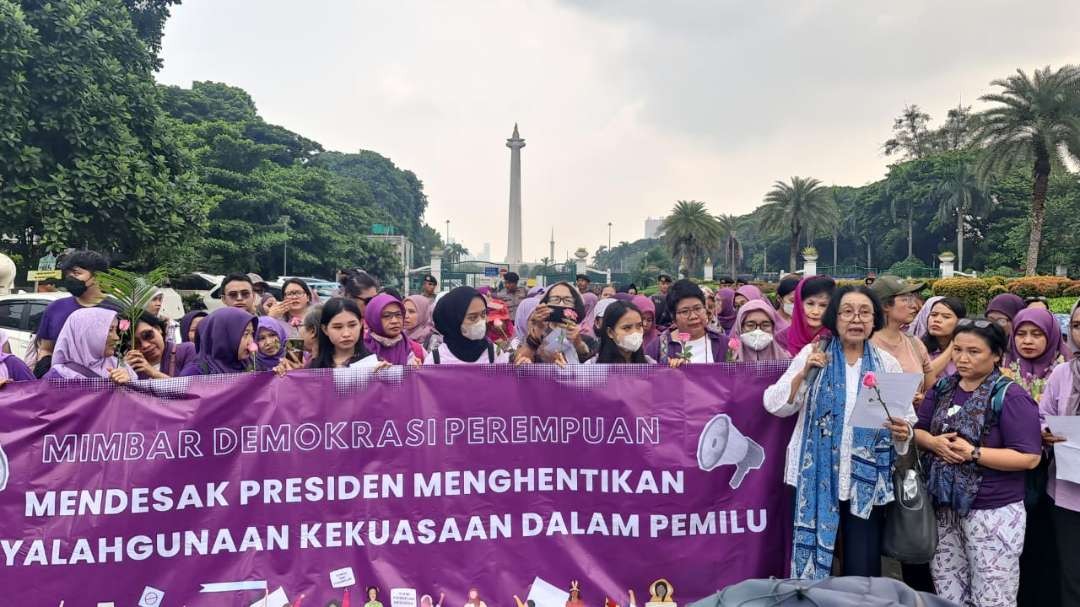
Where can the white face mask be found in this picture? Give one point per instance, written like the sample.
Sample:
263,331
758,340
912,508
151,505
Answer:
631,342
789,308
757,340
475,331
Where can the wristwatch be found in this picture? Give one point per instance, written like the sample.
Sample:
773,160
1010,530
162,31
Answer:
976,454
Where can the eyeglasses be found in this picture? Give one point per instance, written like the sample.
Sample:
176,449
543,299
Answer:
764,325
238,295
392,316
979,324
146,335
561,301
295,294
689,312
853,314
364,300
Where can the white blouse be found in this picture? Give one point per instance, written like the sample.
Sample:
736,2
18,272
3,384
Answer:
446,357
776,402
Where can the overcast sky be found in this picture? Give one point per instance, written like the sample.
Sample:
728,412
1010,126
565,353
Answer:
626,105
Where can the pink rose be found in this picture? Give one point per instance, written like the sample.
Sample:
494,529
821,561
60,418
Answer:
869,380
572,315
252,347
682,337
734,343
296,321
124,324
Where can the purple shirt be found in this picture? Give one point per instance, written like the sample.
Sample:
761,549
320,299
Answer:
15,369
54,317
1055,401
1017,428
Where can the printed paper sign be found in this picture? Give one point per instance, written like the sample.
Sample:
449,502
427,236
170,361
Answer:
403,597
151,597
342,578
545,594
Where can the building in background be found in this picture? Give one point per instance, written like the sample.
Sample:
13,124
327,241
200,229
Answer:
652,226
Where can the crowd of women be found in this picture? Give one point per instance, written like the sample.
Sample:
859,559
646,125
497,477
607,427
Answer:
1004,523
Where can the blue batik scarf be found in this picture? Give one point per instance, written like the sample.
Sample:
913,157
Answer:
817,501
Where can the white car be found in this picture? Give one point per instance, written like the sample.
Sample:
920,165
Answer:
20,314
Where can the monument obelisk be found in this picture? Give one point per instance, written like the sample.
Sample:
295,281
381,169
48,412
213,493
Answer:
513,233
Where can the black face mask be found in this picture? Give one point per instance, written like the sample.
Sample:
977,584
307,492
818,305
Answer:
74,286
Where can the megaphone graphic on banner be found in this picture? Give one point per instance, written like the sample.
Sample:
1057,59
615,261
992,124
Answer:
722,444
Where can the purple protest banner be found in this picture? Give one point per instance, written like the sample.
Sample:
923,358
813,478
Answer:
237,490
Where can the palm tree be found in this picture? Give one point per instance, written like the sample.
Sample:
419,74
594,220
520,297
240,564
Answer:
732,245
1036,118
455,252
959,194
796,208
690,231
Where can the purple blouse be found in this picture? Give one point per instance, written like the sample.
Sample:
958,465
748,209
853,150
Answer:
1017,428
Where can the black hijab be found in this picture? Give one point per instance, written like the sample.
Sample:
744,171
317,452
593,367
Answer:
449,315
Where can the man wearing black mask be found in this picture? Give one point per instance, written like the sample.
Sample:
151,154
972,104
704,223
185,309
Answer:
79,269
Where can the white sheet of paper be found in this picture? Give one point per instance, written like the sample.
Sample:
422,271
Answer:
403,597
1065,425
342,578
897,389
1067,462
544,594
367,362
277,598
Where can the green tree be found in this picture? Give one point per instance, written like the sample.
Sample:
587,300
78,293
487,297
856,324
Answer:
454,252
794,208
86,157
958,195
911,137
1035,118
733,251
689,232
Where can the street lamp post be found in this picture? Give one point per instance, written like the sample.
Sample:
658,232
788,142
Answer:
609,244
285,249
447,232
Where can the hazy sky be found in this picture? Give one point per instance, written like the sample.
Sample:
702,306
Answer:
626,106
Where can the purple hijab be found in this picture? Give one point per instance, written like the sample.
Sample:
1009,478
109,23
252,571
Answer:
422,331
392,350
586,323
80,347
522,314
219,342
773,351
750,292
185,323
262,361
725,308
1040,367
11,366
1007,304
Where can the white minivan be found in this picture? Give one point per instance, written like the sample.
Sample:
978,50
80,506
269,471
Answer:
20,315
